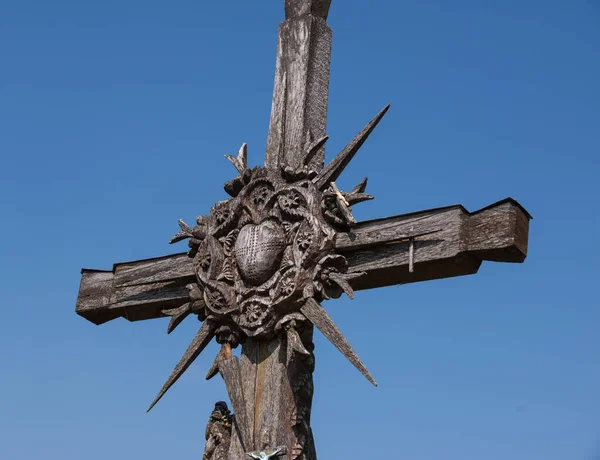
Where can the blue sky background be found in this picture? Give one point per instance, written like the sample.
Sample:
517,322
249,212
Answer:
114,118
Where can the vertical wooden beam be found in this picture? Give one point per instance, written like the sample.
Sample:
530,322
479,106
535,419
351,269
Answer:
300,95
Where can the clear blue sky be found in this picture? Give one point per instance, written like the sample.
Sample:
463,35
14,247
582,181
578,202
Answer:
114,118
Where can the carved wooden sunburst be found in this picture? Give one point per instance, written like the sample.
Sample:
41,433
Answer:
265,258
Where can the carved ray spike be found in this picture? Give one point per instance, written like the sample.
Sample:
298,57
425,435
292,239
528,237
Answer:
202,339
241,162
312,150
317,315
177,315
343,283
224,353
179,237
361,187
184,227
355,198
333,170
294,344
186,232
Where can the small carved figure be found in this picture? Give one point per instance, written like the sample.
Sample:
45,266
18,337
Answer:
218,433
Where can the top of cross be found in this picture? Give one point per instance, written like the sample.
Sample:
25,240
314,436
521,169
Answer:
296,8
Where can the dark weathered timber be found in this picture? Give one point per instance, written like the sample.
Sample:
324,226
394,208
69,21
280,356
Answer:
461,241
231,372
295,9
457,244
280,395
135,290
300,96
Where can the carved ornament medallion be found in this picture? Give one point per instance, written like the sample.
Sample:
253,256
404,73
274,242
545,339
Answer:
262,253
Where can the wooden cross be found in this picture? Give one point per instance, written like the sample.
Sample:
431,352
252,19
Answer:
262,262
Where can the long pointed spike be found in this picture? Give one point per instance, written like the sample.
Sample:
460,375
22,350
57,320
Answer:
361,187
356,198
179,237
333,170
177,316
343,283
317,315
202,339
294,345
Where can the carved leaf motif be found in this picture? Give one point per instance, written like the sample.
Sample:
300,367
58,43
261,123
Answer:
229,241
227,271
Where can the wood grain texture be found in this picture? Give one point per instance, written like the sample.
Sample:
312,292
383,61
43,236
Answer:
248,361
297,8
230,370
136,291
455,244
278,398
274,399
300,95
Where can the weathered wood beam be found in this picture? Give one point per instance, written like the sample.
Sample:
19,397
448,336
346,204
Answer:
300,96
453,242
136,291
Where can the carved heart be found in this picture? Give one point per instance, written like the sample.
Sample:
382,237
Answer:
259,250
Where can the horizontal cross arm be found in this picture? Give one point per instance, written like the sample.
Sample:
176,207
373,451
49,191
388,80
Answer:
135,290
446,242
